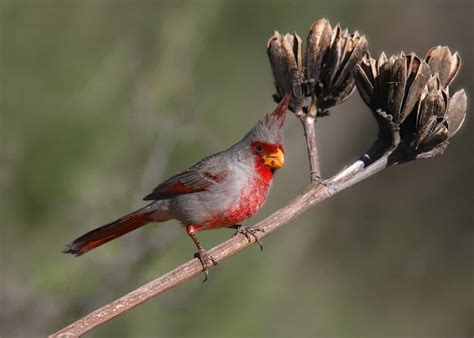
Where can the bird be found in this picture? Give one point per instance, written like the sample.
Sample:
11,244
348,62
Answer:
220,191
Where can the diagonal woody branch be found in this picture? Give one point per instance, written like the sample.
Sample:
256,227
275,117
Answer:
310,135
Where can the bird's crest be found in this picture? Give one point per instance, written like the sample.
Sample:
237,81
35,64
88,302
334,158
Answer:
279,112
270,128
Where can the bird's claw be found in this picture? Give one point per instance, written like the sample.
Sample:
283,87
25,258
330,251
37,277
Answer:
206,260
249,233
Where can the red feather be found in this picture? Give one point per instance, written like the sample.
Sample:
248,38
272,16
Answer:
281,109
108,232
180,188
187,182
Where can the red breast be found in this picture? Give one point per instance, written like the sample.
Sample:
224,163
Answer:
252,196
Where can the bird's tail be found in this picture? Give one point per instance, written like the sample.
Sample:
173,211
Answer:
110,231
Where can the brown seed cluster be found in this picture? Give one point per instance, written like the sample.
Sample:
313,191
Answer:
325,78
414,93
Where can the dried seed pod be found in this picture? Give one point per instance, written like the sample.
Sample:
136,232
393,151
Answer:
331,56
456,112
438,135
395,87
392,85
318,42
437,117
431,125
284,52
418,73
365,74
444,63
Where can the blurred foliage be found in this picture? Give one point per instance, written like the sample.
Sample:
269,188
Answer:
100,100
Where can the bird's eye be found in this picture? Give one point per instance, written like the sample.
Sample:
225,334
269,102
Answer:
259,148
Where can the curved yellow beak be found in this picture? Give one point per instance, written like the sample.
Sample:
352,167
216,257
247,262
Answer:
275,160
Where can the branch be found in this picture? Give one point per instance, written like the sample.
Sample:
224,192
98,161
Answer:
383,148
310,135
307,117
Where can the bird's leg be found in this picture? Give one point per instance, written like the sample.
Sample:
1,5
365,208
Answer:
249,233
206,260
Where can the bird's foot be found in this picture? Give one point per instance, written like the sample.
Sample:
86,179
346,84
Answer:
206,260
250,234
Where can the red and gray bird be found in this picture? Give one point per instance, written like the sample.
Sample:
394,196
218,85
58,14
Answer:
219,191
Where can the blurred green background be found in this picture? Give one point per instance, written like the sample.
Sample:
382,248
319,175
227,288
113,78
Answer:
101,100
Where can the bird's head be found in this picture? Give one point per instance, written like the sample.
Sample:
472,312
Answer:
265,142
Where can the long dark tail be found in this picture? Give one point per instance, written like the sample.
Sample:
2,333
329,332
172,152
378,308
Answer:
110,231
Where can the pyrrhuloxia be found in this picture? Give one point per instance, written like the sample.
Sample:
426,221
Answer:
219,191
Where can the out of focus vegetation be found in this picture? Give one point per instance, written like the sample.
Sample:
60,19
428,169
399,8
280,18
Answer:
100,100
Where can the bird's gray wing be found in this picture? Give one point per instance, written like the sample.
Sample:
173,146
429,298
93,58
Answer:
200,177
